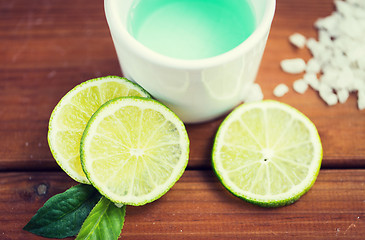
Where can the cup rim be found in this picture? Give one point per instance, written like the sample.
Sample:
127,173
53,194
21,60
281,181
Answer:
121,34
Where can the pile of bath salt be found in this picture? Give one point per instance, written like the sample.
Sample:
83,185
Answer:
338,56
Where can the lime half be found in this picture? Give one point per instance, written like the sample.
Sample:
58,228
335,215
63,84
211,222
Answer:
70,116
267,153
133,150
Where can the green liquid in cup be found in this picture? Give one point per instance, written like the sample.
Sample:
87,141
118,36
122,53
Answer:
191,29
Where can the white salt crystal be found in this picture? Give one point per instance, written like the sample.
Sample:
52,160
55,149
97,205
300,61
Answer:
330,99
313,66
359,13
254,93
349,26
300,86
313,45
324,38
342,43
312,80
359,74
357,3
361,63
344,8
280,90
318,50
338,59
327,95
324,88
293,66
342,95
357,84
352,85
361,100
330,76
329,23
297,40
356,52
345,78
339,54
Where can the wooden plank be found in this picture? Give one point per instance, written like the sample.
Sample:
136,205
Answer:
47,47
198,207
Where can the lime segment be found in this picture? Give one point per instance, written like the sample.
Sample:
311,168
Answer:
267,153
70,116
133,150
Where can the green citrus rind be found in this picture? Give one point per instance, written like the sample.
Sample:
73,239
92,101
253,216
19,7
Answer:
91,127
284,199
52,128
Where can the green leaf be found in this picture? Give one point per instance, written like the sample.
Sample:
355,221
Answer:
105,221
63,214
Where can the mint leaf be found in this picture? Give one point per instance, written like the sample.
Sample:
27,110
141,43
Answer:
63,214
105,221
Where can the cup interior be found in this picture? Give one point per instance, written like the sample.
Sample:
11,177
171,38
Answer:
117,15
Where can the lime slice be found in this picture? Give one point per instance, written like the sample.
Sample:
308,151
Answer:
70,116
133,150
267,153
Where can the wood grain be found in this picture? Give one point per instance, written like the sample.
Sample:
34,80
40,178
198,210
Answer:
198,207
47,47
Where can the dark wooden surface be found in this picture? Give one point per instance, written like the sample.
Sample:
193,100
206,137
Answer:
49,46
198,207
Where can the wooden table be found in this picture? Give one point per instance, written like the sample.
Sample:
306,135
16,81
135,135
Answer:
49,46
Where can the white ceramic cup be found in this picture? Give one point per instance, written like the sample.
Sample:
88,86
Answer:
196,90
